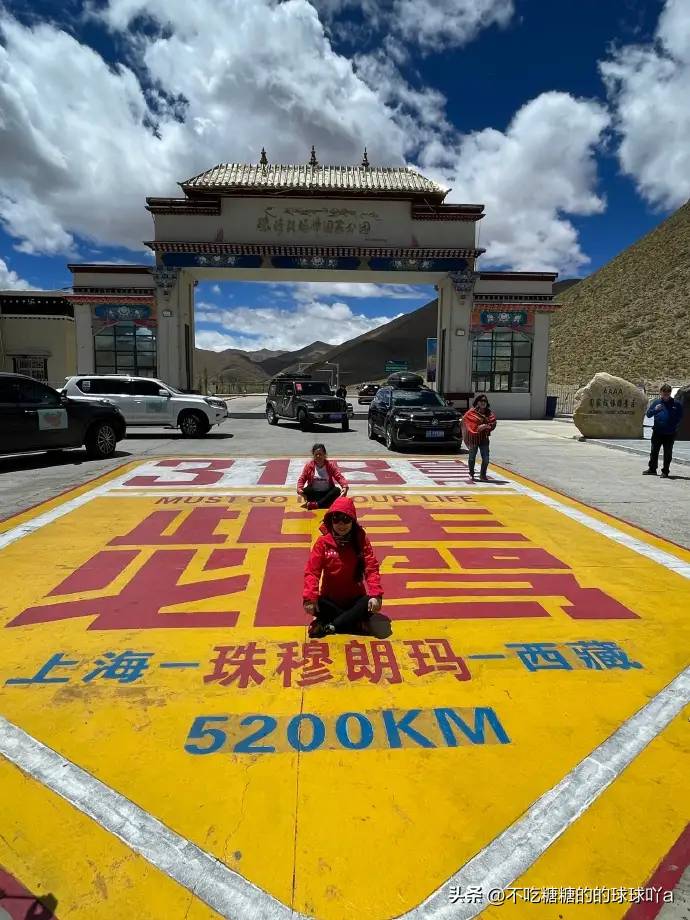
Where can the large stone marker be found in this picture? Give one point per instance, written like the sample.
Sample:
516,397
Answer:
610,407
683,397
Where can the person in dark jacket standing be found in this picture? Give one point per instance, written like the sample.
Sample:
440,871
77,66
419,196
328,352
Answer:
477,425
341,392
667,413
342,586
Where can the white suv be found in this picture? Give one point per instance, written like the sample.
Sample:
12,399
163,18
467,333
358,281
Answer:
148,402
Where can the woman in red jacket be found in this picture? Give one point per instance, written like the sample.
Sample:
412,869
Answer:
477,425
344,562
317,485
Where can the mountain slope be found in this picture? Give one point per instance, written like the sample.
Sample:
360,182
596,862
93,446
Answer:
632,317
229,367
402,339
289,360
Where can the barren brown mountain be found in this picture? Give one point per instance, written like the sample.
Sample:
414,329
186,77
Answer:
402,339
632,317
290,360
224,371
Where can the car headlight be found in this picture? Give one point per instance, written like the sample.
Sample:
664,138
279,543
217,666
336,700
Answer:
216,403
400,418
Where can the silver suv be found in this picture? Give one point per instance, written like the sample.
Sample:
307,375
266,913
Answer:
146,401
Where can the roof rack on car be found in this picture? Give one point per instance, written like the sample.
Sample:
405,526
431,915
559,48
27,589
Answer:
404,380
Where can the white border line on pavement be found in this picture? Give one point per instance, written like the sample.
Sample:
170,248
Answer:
512,853
206,877
495,867
34,524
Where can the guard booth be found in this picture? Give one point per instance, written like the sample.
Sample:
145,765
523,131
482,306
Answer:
493,338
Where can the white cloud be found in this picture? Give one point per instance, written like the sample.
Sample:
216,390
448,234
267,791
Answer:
80,156
253,328
10,280
430,24
307,291
216,289
649,89
215,80
529,176
438,24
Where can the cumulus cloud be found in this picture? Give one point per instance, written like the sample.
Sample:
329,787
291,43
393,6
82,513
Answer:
80,156
649,89
215,80
529,176
432,25
253,328
307,291
10,280
437,24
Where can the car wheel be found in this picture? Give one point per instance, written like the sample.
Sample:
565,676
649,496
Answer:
271,416
391,443
370,431
101,441
193,425
303,420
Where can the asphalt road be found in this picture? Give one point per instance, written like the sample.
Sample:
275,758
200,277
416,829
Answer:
545,451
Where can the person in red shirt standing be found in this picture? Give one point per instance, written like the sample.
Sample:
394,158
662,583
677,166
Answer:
477,425
318,484
342,586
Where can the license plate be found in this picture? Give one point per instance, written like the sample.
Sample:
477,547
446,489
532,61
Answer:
336,417
434,433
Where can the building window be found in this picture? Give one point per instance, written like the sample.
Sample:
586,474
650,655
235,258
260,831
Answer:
31,366
501,362
125,348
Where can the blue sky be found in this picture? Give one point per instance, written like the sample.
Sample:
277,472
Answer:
568,120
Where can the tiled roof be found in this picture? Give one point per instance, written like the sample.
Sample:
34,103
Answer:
343,180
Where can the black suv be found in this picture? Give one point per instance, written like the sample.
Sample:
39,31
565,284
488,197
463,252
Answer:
405,412
301,399
34,416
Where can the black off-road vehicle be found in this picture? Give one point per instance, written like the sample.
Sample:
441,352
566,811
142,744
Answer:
299,398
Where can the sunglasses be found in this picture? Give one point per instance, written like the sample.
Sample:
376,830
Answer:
339,518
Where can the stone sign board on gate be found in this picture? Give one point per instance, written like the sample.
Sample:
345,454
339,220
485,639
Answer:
610,407
683,397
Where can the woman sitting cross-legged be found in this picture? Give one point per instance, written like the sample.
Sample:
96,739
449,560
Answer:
342,587
318,484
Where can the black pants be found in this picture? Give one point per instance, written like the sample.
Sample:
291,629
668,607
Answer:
658,441
346,617
322,499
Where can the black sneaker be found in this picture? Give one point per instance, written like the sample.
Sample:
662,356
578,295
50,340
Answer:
664,474
318,630
649,473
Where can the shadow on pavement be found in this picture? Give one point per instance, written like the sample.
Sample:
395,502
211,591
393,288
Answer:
176,436
39,461
42,908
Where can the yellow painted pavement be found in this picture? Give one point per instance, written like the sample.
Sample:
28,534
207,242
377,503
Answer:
337,832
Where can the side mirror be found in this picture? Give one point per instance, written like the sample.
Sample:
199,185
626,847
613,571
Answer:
449,402
164,393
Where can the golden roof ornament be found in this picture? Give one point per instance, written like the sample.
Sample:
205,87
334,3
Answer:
313,161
